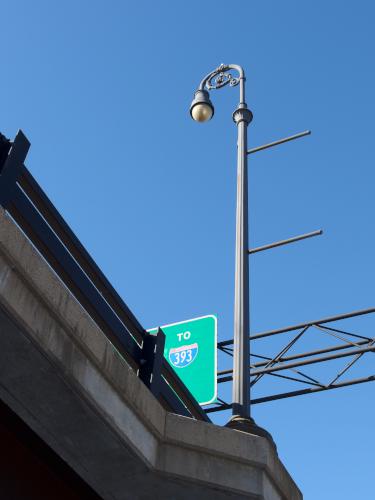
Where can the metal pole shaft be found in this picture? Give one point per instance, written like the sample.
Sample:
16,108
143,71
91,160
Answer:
241,382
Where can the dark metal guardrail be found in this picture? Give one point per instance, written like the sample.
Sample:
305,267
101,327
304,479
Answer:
35,214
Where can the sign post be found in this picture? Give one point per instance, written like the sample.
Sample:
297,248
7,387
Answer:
190,349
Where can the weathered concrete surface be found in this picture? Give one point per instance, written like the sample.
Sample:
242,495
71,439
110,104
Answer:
60,373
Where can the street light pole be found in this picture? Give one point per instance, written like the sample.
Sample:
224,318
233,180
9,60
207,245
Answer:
202,110
241,353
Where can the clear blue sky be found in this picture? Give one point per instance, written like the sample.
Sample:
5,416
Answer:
102,90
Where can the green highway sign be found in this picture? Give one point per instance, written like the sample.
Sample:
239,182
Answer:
190,348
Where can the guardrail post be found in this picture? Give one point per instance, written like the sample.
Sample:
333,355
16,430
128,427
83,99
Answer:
12,156
5,146
152,361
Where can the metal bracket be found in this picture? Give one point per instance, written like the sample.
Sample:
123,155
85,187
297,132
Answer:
280,141
152,360
286,242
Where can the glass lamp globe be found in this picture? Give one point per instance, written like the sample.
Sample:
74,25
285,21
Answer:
201,109
202,112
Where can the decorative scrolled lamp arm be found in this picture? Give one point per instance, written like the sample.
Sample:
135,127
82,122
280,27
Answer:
201,108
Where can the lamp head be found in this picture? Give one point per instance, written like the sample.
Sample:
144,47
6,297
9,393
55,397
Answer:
201,109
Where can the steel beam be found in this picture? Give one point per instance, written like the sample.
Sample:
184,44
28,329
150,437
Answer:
307,354
286,242
302,392
312,390
302,325
288,366
280,141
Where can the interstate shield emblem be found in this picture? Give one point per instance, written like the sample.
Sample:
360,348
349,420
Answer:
183,356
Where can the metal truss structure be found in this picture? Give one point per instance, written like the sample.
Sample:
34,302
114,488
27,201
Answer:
352,345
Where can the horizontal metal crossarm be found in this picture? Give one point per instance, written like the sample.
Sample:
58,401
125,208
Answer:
316,352
286,377
301,392
225,375
286,242
311,390
330,319
310,380
280,141
287,366
218,408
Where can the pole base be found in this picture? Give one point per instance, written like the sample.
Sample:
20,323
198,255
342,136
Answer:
248,425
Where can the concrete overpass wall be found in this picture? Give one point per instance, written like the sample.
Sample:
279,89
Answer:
67,382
